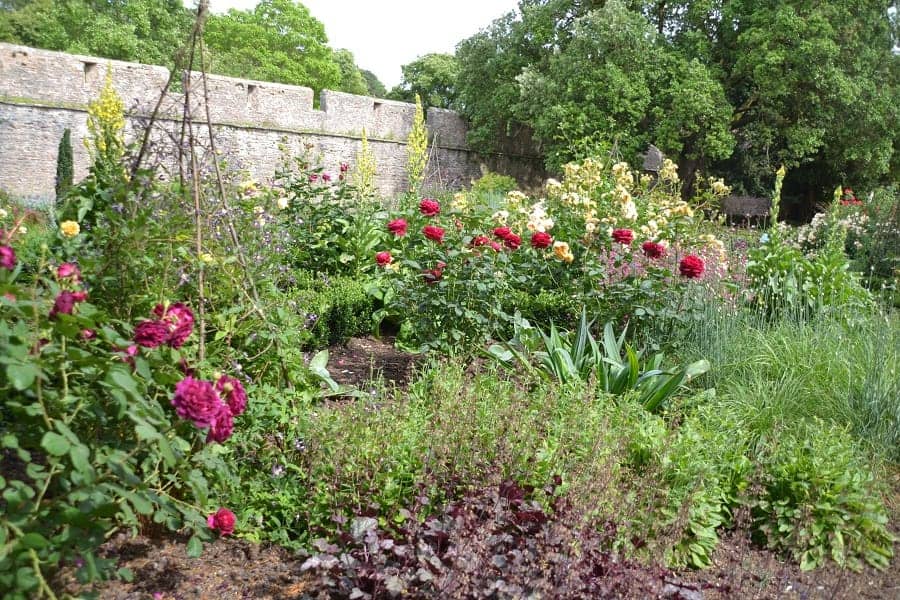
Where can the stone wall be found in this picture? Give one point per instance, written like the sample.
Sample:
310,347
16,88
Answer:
42,93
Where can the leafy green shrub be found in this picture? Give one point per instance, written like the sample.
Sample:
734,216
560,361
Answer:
544,307
335,310
493,184
89,440
820,501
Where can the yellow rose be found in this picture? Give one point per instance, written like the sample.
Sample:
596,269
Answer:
562,252
69,229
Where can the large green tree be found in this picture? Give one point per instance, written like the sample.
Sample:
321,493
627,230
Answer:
352,79
148,31
278,40
432,77
809,84
374,86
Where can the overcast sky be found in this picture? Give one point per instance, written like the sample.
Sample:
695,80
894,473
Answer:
385,34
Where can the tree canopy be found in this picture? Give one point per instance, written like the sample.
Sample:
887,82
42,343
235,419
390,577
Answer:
432,77
735,86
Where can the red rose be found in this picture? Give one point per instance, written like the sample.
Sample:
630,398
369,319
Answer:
397,227
429,207
151,334
623,236
433,232
222,427
180,320
502,232
196,400
232,393
383,258
480,240
691,267
223,521
497,247
653,250
512,241
541,240
65,303
434,275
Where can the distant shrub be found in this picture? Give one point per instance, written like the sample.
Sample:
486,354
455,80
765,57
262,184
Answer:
494,183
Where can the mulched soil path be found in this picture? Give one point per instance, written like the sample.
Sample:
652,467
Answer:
232,569
363,360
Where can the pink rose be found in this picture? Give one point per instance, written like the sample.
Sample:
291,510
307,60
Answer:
66,270
197,401
223,521
7,258
232,392
345,167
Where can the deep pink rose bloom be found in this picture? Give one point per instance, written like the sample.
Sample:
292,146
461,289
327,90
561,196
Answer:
151,334
691,267
383,258
653,250
480,240
623,236
345,167
67,270
223,521
434,275
512,241
429,207
7,258
497,247
541,239
313,177
232,393
222,428
180,321
197,401
434,233
88,334
65,302
397,227
502,232
326,177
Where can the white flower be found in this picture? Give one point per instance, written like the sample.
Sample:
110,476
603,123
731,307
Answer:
282,202
501,216
258,210
3,214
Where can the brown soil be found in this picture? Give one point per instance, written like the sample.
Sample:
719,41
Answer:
232,569
363,360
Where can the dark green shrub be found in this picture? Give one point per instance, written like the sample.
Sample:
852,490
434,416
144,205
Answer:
65,170
545,307
336,309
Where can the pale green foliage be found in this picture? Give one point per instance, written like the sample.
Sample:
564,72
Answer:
417,149
366,169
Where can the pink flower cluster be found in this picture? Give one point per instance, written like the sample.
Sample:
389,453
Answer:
173,325
7,258
210,405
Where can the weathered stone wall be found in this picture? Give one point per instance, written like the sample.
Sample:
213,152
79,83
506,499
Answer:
42,93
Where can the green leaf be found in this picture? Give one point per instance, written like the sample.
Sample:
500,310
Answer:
194,547
55,444
22,376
